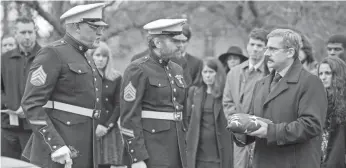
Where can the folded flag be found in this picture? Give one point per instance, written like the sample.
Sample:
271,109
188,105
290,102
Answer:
244,123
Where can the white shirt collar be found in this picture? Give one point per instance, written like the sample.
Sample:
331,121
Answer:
283,72
257,66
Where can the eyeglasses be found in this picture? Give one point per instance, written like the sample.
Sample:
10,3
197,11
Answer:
94,27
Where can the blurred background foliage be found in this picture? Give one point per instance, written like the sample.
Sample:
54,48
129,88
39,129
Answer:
215,25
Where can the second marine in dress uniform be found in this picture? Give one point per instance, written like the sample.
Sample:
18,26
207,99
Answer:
152,101
63,92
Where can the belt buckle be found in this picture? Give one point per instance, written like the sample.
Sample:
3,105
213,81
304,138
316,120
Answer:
177,116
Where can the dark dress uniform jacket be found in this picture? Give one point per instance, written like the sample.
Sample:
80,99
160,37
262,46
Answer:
297,106
160,143
223,137
71,78
190,64
14,72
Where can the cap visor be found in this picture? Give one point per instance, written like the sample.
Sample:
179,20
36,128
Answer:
99,23
180,37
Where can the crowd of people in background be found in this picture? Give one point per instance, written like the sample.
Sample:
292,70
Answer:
278,79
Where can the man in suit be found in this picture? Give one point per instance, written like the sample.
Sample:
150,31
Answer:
191,64
239,87
296,103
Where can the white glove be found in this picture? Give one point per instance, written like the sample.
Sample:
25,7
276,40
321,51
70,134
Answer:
139,164
20,112
62,156
101,130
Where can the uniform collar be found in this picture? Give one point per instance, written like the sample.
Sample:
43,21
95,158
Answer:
75,43
158,59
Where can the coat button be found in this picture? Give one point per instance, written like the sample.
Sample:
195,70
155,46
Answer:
130,142
97,99
68,122
169,75
132,150
94,70
49,139
160,84
89,62
153,131
107,111
174,90
172,82
54,147
79,71
44,130
135,159
174,98
177,107
167,68
95,79
106,99
96,115
106,86
97,89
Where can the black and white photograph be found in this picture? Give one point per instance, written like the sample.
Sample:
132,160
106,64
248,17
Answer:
173,84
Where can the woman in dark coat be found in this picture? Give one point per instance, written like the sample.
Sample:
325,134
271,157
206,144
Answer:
332,72
208,141
110,145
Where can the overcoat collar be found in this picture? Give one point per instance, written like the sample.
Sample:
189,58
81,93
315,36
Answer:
292,76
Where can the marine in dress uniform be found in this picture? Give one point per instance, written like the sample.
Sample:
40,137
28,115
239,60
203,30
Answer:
152,102
62,95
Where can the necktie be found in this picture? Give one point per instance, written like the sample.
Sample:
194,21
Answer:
275,80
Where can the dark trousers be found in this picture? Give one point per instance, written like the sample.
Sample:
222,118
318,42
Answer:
202,164
13,142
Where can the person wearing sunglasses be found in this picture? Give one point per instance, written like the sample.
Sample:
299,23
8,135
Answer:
62,98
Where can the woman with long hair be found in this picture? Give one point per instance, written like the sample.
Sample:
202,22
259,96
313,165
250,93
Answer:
110,145
332,72
208,141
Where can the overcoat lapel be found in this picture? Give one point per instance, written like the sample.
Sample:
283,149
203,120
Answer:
292,76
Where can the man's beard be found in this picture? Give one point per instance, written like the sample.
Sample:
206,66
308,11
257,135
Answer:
167,54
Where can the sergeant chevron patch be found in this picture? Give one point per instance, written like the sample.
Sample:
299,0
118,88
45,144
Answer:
130,93
38,77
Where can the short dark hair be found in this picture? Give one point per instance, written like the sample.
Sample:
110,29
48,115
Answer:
259,34
338,38
24,19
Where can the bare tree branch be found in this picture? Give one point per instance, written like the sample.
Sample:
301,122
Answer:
53,21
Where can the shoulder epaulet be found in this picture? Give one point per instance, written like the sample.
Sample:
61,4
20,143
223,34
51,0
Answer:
58,43
141,60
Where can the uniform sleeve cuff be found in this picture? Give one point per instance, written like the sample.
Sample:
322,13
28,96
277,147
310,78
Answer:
136,150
